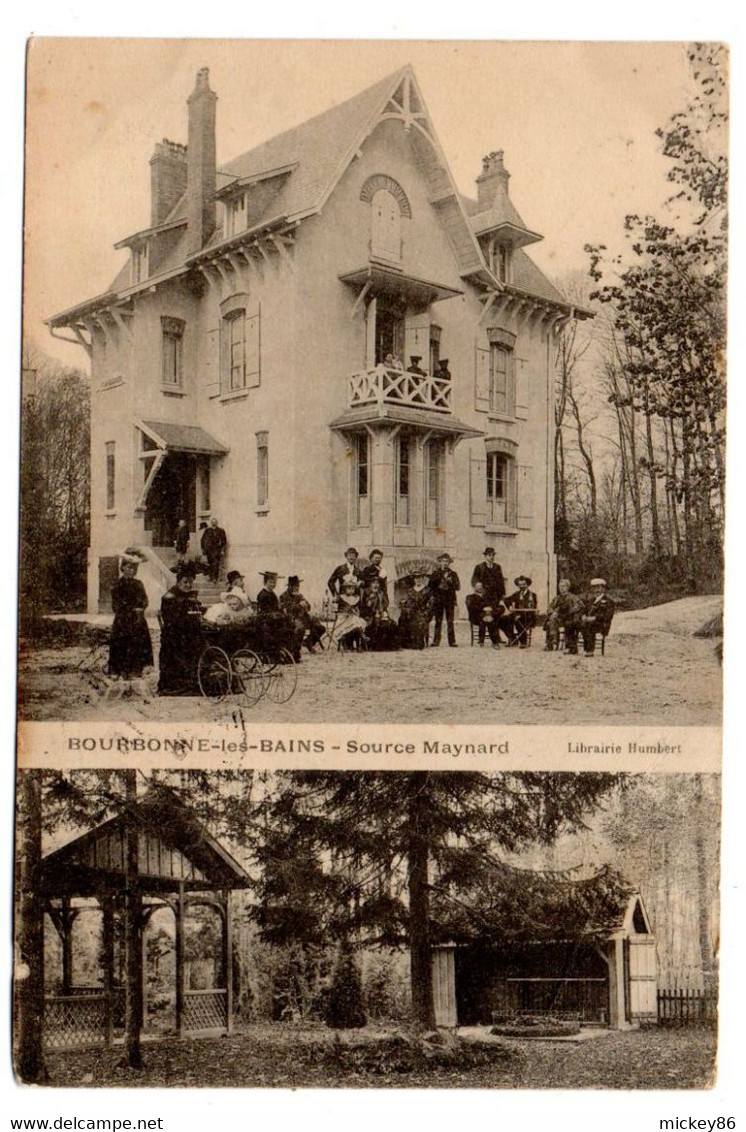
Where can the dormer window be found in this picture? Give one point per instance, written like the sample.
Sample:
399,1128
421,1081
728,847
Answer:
500,261
140,266
236,213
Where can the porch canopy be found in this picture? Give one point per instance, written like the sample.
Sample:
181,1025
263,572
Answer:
390,413
171,437
155,855
388,281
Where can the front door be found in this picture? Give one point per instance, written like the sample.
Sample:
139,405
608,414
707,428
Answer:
172,496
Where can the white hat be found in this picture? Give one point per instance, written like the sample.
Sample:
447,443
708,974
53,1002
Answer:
598,581
238,594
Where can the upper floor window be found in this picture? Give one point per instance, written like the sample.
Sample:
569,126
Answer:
500,261
172,335
140,266
262,470
501,372
240,344
236,212
389,204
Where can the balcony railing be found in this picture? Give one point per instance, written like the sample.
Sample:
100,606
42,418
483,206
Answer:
386,386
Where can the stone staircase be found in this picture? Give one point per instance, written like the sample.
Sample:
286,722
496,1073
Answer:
164,557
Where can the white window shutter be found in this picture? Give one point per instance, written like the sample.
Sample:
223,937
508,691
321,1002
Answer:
482,381
212,360
521,387
525,497
417,339
253,345
477,491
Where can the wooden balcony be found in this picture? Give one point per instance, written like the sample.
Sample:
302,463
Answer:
386,386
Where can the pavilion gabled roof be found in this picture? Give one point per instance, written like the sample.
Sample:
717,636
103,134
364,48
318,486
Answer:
173,848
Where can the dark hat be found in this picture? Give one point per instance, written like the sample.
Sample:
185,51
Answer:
375,551
488,550
352,550
233,576
522,578
269,574
184,570
294,580
443,362
445,557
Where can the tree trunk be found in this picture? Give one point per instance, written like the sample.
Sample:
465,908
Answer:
132,933
423,1003
653,477
704,893
29,983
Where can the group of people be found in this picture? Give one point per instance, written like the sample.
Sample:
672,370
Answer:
577,616
213,543
358,613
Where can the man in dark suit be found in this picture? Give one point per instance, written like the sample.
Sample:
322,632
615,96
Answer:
490,576
482,616
374,569
599,611
445,584
214,543
521,607
349,570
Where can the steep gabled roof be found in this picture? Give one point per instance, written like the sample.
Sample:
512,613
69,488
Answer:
320,148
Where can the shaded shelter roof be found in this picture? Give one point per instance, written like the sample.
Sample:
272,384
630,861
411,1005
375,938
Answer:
173,848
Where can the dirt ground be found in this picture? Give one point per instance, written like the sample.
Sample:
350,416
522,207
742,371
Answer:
291,1057
654,673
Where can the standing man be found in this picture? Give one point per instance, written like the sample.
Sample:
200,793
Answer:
490,574
181,541
374,569
348,572
445,584
214,543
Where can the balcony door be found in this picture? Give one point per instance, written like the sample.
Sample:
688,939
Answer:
389,332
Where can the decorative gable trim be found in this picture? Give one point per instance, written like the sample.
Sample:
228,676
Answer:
381,181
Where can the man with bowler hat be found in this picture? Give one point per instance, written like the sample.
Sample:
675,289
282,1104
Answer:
444,584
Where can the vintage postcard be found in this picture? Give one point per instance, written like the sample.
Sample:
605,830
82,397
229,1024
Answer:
371,594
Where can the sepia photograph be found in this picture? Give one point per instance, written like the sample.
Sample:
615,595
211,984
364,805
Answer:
356,929
339,353
371,565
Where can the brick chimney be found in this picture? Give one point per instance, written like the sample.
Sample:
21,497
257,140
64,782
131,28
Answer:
493,175
201,209
168,179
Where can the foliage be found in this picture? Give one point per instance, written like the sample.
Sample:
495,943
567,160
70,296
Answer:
386,990
343,1008
351,855
655,506
55,486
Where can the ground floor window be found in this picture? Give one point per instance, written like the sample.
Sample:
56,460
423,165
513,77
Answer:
362,480
110,475
262,469
403,480
434,475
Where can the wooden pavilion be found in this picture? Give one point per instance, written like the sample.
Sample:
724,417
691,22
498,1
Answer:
154,855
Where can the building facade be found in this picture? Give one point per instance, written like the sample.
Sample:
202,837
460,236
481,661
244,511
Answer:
323,343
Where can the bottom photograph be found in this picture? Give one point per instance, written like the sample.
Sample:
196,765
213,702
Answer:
366,929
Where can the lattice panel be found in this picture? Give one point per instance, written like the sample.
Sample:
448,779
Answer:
205,1010
71,1021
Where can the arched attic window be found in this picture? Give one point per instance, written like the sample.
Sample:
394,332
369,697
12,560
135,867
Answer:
389,204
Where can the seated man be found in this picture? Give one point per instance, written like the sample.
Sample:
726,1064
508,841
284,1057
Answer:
565,611
599,611
309,630
483,616
521,606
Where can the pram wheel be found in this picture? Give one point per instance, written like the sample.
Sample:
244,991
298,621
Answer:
282,677
214,674
250,678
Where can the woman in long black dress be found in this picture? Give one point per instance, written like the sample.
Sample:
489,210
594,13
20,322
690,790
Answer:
416,613
130,647
182,639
